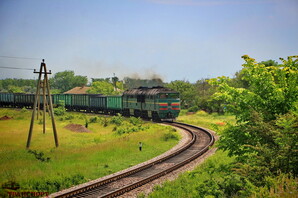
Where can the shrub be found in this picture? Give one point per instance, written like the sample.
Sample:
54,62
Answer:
40,121
39,156
283,185
141,195
93,120
118,120
128,127
201,113
24,110
56,184
69,117
136,121
61,103
193,109
183,112
169,136
103,121
123,130
60,111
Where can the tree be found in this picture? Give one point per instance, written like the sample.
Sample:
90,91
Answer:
105,88
272,90
14,85
14,89
186,90
269,63
264,139
67,80
239,82
205,101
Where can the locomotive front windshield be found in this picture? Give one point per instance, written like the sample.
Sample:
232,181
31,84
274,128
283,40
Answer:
169,95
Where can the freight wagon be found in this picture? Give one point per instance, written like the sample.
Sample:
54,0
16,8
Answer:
114,104
98,104
62,99
19,100
6,99
24,100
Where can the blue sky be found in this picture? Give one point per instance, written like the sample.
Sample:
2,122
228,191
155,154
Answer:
172,39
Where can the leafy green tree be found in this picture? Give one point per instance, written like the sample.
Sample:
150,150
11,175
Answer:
272,90
269,63
56,91
265,136
203,89
18,85
101,87
14,89
105,88
119,87
205,101
239,82
67,80
115,79
186,90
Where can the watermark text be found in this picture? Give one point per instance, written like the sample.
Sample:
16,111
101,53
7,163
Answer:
27,194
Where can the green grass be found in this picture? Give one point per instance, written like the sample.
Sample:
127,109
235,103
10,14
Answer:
192,183
212,121
213,170
80,156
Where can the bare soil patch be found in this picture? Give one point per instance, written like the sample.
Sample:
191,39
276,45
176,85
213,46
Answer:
5,118
77,128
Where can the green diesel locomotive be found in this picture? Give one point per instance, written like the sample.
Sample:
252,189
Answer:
157,103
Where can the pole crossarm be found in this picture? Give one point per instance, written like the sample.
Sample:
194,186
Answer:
36,72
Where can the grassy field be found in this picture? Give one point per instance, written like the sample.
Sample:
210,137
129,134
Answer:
81,156
213,121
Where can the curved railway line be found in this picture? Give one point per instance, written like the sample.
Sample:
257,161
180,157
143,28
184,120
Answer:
113,186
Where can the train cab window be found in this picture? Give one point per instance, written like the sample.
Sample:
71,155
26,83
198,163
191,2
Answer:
169,95
174,95
162,96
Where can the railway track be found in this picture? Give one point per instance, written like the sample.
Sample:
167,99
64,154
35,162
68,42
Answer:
116,185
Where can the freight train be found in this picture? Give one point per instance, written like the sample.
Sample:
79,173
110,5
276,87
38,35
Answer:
156,103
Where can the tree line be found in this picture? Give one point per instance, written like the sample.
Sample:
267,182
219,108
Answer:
194,96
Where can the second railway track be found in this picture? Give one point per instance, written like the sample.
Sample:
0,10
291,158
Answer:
114,186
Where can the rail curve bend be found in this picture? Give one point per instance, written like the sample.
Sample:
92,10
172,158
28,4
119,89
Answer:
112,186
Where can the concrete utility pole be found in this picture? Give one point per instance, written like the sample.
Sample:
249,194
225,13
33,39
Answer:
44,85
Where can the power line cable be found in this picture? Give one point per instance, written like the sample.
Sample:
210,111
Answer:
16,68
15,57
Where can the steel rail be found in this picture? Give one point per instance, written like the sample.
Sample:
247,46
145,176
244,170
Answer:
88,187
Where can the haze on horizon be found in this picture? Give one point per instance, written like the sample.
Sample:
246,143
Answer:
174,39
